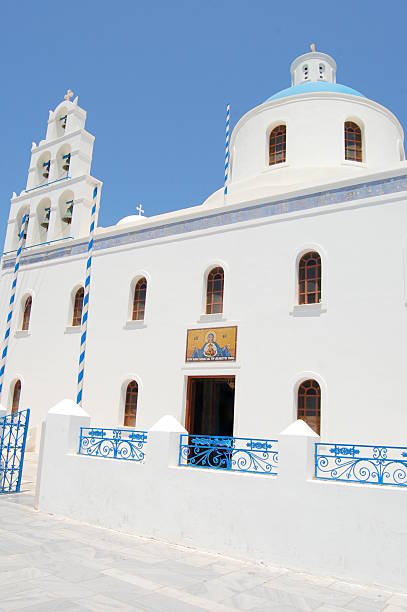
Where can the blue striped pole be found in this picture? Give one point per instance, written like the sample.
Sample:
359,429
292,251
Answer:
227,150
85,309
24,222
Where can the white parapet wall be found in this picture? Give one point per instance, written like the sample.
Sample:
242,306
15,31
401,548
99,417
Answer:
355,531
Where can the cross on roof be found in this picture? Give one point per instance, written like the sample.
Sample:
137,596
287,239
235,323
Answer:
140,209
68,94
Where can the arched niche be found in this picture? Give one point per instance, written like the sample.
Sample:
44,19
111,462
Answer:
61,121
43,213
65,213
63,161
44,168
19,218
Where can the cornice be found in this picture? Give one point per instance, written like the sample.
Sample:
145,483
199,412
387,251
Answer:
223,218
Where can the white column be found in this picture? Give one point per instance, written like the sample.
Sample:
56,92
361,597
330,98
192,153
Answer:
163,443
59,437
296,449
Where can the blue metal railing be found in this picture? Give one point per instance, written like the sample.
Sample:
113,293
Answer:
58,180
31,246
229,453
13,438
125,444
383,465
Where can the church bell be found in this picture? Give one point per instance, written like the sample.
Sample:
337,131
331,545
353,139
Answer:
25,228
67,162
45,222
46,166
67,218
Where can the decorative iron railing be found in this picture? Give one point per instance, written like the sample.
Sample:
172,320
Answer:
227,453
125,444
383,465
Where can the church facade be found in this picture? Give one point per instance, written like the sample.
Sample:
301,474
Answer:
287,299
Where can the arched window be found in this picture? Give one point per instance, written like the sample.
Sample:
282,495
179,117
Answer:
77,307
309,278
353,141
309,404
139,300
16,396
277,145
214,291
27,313
130,406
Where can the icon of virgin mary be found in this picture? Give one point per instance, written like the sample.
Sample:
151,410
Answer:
211,349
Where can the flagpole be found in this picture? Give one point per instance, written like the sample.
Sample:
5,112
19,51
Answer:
225,191
85,308
24,222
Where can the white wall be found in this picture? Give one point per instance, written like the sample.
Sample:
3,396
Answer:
354,345
345,530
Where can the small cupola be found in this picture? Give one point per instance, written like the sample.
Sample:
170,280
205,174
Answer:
312,67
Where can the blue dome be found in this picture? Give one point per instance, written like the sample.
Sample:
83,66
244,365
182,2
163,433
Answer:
313,86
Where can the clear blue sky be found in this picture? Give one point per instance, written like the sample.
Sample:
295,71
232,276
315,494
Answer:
154,77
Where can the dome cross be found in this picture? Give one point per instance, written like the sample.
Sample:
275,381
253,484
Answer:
68,95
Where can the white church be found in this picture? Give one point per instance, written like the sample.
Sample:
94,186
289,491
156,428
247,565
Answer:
285,299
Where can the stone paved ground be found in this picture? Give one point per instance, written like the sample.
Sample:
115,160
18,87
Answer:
52,564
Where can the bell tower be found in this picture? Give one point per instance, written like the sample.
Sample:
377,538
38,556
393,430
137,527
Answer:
58,193
311,67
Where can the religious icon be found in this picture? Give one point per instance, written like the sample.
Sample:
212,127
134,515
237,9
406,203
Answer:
217,344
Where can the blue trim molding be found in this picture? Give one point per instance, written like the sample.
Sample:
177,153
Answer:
227,218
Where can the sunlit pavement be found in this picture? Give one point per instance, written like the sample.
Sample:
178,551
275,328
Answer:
53,564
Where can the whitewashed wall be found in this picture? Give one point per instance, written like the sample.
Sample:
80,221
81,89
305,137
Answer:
354,344
345,530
